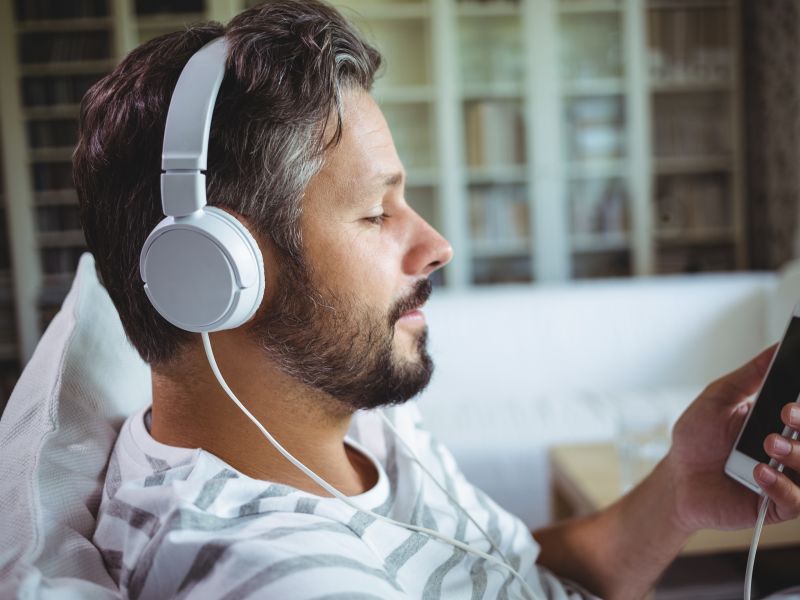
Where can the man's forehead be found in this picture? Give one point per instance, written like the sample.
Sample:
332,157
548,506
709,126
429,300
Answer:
365,156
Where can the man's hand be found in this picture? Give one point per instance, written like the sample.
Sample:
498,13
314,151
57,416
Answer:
619,552
702,440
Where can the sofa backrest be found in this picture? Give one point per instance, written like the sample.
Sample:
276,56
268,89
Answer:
606,335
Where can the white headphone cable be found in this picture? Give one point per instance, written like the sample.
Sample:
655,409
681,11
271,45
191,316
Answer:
337,494
751,557
416,459
762,515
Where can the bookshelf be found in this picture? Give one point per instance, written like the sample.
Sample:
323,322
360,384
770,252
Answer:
9,354
548,140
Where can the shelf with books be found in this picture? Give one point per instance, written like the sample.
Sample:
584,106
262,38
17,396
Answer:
424,200
48,155
411,124
502,270
500,249
696,237
500,220
595,128
61,239
598,264
405,45
41,10
52,111
74,67
494,134
599,207
591,46
489,51
696,259
690,42
600,242
694,124
58,218
686,165
56,197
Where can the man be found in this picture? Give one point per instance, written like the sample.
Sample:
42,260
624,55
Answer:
196,502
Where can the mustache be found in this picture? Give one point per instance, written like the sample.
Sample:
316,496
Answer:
418,296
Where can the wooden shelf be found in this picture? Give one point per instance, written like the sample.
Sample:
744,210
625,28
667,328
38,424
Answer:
61,239
71,67
496,174
67,197
52,111
60,154
690,87
686,4
81,24
404,94
492,90
500,249
698,236
598,169
688,165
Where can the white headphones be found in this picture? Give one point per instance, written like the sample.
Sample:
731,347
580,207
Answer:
202,270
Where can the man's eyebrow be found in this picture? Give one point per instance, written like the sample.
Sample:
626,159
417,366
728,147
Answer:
391,179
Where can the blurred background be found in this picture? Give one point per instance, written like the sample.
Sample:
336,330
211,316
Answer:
549,140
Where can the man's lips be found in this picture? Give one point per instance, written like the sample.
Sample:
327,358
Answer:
413,315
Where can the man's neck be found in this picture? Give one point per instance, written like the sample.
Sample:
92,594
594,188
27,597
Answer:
191,410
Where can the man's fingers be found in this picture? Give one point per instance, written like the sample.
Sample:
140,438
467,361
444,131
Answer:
784,450
783,492
790,415
745,380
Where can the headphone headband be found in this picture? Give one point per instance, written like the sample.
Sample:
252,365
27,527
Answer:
185,153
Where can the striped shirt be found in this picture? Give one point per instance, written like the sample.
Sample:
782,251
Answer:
178,523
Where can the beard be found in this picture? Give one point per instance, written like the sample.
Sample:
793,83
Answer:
341,346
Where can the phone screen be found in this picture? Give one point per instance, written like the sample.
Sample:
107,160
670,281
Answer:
781,387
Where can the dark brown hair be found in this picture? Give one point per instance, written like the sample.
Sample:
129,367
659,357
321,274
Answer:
289,63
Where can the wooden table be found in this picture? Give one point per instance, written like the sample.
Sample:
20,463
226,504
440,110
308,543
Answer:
586,477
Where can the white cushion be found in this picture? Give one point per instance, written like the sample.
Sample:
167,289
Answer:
57,433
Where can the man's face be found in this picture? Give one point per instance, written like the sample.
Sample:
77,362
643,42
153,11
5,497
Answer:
347,322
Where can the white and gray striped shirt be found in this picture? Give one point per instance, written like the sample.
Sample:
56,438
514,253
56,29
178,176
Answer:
177,522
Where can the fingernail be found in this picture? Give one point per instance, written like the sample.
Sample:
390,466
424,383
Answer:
781,446
794,416
766,476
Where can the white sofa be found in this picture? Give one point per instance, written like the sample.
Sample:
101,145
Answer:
521,368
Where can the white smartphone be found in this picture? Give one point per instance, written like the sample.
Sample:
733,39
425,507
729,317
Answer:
780,386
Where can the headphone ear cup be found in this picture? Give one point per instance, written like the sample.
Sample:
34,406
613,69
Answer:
203,272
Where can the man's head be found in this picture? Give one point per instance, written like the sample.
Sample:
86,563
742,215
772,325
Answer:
301,153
